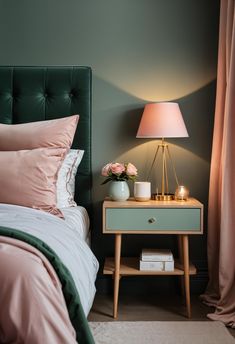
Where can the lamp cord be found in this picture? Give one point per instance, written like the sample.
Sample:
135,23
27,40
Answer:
153,162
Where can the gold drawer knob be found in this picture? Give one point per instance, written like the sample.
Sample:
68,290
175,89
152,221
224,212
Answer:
152,220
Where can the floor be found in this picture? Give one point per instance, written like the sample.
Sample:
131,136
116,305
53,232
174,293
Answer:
146,307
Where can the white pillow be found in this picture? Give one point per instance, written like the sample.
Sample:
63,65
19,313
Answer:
65,186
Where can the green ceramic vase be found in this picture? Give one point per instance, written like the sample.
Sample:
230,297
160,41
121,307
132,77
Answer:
119,190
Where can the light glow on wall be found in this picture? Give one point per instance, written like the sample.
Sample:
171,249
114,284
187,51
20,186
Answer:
189,166
158,87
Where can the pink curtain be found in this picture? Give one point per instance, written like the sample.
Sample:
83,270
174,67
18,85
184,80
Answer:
220,291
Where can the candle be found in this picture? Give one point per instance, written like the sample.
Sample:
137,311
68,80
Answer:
181,193
142,191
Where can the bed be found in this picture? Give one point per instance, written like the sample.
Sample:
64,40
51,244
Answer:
48,247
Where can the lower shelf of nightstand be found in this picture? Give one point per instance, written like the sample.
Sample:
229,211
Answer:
130,266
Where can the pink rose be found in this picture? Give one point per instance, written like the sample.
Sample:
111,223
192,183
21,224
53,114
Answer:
105,170
131,170
117,168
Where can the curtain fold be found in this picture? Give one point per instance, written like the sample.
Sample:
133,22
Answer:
220,291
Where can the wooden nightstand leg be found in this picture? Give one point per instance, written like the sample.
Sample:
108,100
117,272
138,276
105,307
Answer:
181,259
186,274
118,242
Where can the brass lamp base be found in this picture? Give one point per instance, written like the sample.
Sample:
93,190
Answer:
164,194
159,197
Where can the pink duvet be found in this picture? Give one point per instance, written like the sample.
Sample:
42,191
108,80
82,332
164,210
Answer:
32,306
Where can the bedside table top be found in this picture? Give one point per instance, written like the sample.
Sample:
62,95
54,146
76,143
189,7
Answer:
132,203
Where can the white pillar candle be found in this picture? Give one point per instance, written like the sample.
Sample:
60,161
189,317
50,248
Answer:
142,191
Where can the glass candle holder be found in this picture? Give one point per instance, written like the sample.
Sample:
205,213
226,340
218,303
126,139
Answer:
181,193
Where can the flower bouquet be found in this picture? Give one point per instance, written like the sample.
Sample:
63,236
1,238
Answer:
115,171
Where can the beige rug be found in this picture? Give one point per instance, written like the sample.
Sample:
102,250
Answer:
161,332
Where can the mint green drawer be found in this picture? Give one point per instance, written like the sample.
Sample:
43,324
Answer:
173,219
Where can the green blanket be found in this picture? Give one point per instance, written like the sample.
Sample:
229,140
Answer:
76,314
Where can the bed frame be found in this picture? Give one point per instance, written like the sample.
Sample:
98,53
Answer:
29,94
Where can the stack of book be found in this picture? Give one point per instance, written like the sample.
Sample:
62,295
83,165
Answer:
156,260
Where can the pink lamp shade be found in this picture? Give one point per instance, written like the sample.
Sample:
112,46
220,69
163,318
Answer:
162,120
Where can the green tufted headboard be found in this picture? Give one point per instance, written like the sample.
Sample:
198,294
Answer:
29,94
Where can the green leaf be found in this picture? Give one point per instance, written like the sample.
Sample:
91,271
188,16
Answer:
106,181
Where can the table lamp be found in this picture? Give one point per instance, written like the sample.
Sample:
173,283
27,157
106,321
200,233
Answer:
162,120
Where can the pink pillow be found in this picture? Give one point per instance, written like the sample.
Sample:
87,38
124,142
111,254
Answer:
52,133
28,178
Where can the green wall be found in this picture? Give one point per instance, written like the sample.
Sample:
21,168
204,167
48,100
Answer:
140,51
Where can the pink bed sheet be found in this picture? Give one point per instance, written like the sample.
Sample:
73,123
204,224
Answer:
32,305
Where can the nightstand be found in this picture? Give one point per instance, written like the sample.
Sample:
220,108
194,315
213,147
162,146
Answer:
181,218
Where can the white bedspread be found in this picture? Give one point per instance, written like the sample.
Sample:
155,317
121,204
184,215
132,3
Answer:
63,239
78,220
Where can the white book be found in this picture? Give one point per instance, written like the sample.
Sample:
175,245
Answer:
169,266
149,254
151,266
156,266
